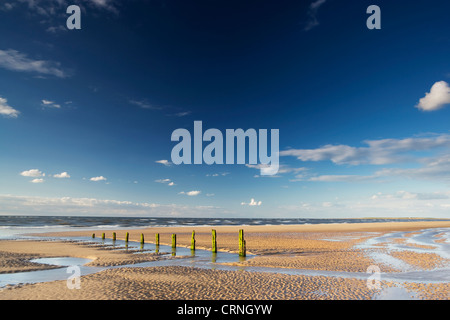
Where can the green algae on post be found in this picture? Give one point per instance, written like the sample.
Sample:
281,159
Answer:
242,247
193,240
214,241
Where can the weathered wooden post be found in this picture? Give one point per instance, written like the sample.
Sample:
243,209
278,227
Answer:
114,236
174,241
242,247
127,235
214,241
142,238
93,236
103,236
157,242
193,241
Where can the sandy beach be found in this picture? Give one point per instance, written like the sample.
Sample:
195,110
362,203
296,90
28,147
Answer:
339,248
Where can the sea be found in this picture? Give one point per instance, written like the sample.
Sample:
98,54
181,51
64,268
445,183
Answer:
12,227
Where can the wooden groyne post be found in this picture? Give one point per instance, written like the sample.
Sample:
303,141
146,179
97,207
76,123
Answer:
242,247
142,238
103,236
214,241
93,236
193,241
114,236
127,235
174,241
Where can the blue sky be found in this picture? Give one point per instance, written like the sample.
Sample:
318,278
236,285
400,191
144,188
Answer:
86,115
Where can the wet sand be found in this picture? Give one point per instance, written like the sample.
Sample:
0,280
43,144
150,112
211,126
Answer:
317,247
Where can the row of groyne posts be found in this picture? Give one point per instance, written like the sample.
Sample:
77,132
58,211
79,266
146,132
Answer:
242,244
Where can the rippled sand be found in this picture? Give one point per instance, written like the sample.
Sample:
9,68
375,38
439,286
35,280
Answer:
315,247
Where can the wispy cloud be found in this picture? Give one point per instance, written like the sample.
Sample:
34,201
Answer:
282,170
430,156
378,152
179,114
166,181
16,61
223,174
167,163
12,204
6,110
50,104
437,98
313,10
7,6
144,104
398,204
53,7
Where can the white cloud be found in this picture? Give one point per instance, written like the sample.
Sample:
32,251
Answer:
166,181
50,104
378,152
144,104
53,7
37,180
434,169
28,205
438,97
312,14
164,162
264,168
7,110
16,61
191,193
396,204
7,6
100,178
252,203
106,4
47,102
32,173
217,174
62,175
182,113
341,178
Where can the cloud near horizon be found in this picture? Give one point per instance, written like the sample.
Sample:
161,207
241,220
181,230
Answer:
192,193
12,204
252,203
